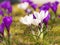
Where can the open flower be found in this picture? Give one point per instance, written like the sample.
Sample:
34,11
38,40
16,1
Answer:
35,18
23,5
7,21
39,17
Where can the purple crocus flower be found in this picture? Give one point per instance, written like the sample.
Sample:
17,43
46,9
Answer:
7,21
45,21
34,6
5,4
9,10
2,29
1,13
54,6
45,6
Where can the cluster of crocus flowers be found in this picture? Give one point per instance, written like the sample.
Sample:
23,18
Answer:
37,19
5,11
48,5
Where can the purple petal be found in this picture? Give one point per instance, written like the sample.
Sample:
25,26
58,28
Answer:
2,29
7,21
9,10
34,6
56,2
34,17
45,6
54,6
5,4
46,19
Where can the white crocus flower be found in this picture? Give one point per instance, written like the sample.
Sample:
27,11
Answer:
23,5
27,20
41,15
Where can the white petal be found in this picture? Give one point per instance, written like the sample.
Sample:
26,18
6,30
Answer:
36,22
46,14
43,14
23,5
27,19
36,14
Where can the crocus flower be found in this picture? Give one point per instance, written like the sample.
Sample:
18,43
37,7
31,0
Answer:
2,28
27,20
39,17
9,10
7,21
23,5
54,6
45,6
5,4
34,6
1,13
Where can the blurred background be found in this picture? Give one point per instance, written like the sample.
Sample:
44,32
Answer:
19,31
